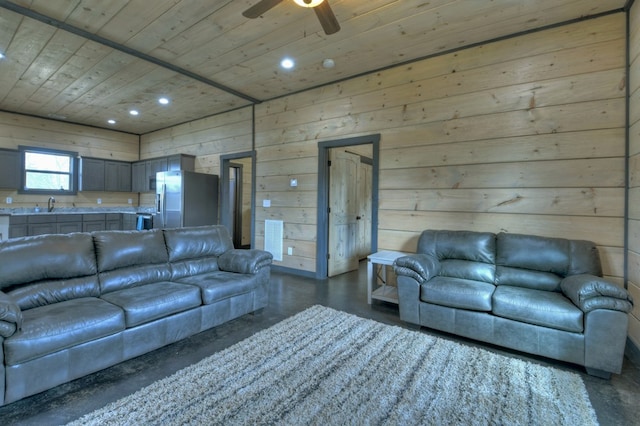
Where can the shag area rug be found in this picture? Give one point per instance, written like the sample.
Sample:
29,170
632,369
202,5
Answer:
325,367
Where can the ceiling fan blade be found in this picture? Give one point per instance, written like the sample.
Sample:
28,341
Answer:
326,17
260,8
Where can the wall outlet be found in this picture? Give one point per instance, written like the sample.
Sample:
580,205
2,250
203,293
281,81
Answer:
9,200
293,182
290,251
130,201
266,203
99,200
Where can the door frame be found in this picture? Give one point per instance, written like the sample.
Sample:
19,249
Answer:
225,163
322,237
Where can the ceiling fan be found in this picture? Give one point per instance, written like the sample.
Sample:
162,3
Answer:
325,15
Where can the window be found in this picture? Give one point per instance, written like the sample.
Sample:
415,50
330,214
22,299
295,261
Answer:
47,171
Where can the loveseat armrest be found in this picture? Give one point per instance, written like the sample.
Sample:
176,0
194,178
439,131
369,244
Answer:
420,267
589,292
10,316
244,261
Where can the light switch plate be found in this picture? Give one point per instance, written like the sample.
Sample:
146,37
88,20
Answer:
293,182
266,203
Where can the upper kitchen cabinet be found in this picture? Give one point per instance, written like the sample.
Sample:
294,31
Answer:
9,169
105,175
117,176
91,174
143,173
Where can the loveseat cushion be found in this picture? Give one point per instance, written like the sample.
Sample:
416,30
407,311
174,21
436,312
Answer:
458,293
51,328
149,302
545,308
463,245
221,285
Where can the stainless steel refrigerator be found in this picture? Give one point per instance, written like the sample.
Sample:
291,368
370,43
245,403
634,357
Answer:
186,199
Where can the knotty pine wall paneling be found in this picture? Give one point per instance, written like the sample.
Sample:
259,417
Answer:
522,135
16,130
633,252
206,139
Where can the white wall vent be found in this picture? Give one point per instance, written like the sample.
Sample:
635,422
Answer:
273,236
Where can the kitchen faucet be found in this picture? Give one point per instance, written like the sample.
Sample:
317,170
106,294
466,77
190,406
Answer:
51,204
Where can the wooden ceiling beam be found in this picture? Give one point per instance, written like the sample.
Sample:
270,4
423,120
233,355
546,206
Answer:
122,48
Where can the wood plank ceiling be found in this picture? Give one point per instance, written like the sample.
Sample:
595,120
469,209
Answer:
87,61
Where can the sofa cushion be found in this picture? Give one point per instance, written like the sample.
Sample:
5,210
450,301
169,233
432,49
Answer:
49,257
465,269
152,301
51,328
46,292
221,285
119,249
545,308
528,278
458,293
463,245
196,242
133,276
533,252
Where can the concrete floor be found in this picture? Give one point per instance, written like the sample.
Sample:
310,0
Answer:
616,401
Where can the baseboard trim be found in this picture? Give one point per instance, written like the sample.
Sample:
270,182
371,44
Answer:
293,271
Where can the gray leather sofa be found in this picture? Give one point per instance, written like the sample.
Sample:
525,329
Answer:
544,296
77,303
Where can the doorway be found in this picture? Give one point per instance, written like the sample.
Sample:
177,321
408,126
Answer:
237,202
347,203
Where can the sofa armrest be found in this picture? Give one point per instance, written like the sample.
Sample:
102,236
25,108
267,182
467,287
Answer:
589,292
10,316
420,267
244,261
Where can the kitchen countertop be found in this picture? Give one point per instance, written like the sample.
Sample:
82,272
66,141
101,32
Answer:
22,211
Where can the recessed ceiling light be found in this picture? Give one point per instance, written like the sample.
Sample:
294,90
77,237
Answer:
287,63
134,112
163,101
111,121
1,55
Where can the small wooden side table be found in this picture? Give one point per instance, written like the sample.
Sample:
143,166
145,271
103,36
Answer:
384,292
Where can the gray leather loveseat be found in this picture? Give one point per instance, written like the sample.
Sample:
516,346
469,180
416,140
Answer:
77,303
539,295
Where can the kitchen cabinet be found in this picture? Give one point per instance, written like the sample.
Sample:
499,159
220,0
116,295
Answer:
181,162
93,222
18,226
67,223
9,169
143,173
113,222
139,181
91,174
117,176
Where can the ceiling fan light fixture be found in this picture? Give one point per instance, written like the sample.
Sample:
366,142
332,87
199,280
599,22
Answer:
308,3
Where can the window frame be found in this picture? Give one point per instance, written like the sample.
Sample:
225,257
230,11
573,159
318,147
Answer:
73,173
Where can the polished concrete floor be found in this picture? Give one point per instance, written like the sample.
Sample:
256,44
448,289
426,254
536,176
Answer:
616,401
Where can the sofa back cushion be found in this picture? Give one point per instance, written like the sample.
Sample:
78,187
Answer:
120,249
462,254
197,242
195,250
46,269
541,262
130,258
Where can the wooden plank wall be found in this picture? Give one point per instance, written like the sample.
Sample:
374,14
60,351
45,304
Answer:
207,139
16,129
524,135
634,174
